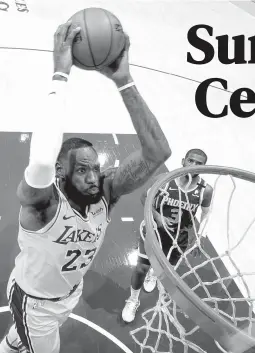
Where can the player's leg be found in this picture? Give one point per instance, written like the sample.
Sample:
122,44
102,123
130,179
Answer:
10,342
143,272
38,321
36,327
138,276
150,281
45,323
137,280
183,240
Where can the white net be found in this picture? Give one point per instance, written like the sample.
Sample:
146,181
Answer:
163,321
223,276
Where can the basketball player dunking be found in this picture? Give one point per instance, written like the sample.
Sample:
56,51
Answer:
199,194
66,204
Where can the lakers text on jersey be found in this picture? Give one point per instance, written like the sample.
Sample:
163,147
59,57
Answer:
54,259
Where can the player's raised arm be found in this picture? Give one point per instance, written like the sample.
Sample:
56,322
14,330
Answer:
139,166
36,186
205,207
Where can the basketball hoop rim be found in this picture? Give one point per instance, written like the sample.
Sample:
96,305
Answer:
204,316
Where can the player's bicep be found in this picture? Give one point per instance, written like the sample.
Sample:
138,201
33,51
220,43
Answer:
207,199
133,172
205,210
36,187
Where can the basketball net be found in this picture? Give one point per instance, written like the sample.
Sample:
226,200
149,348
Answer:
216,277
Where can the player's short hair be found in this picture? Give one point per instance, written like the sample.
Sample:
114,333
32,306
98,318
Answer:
197,151
73,143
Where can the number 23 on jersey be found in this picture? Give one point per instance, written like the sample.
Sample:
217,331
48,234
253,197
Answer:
73,256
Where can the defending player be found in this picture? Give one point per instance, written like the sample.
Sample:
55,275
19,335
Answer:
199,194
66,203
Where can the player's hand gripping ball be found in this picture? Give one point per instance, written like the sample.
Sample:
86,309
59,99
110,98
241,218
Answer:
118,71
63,42
100,40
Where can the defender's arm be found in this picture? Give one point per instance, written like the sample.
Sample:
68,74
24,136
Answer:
205,207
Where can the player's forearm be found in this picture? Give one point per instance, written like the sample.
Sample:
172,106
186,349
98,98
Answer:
150,134
203,221
47,140
156,215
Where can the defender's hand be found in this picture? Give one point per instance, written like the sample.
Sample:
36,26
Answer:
63,43
118,71
166,224
196,252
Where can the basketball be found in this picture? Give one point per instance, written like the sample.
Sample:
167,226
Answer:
100,41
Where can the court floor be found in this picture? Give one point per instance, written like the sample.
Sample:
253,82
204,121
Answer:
95,325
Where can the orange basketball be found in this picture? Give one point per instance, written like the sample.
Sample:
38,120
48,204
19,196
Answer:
100,41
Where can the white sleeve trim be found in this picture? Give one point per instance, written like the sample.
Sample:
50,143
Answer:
37,185
46,141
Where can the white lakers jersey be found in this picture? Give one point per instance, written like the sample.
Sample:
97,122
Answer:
54,259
